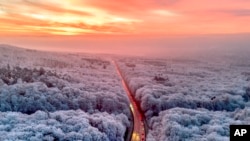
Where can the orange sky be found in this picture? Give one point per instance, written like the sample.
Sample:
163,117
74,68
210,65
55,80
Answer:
133,27
119,17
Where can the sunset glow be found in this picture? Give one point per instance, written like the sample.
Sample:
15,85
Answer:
124,70
81,17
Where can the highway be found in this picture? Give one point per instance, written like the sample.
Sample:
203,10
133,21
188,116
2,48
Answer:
138,133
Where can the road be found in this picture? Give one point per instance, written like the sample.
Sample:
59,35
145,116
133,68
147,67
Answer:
138,133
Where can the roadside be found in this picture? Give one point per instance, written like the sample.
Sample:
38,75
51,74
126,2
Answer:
138,133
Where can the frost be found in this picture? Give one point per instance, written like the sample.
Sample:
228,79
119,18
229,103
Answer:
62,125
60,96
195,125
185,99
163,84
32,80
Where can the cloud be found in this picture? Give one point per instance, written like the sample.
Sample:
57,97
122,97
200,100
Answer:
129,17
239,12
53,8
64,16
161,12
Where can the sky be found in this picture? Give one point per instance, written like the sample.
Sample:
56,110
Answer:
45,22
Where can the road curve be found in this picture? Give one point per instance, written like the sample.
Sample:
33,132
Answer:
138,133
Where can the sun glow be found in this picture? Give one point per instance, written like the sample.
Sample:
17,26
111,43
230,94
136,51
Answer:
76,17
164,12
69,19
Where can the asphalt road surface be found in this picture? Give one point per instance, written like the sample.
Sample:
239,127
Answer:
138,133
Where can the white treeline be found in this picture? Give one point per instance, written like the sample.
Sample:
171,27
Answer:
195,125
60,96
219,86
62,125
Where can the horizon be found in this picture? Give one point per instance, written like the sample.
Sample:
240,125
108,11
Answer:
139,28
124,70
144,47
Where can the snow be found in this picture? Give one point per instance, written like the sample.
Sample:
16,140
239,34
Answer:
65,96
173,90
59,81
81,93
195,125
186,85
62,125
30,97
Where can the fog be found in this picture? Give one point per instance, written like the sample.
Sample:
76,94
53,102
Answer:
155,46
172,93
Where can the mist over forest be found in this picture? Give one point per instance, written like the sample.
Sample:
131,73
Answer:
147,46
